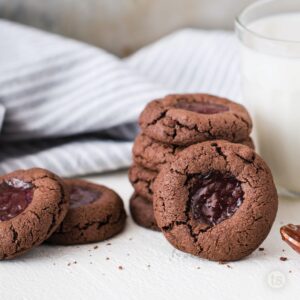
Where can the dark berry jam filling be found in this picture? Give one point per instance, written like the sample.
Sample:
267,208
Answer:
80,196
215,197
15,196
202,107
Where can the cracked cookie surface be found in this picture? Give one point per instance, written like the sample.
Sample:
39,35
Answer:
41,202
185,119
142,180
141,211
96,213
250,198
153,155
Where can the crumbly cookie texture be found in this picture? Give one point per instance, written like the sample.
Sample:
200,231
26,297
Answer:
191,118
92,220
47,209
142,180
141,211
152,154
191,226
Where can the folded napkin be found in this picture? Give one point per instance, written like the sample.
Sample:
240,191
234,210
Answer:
73,108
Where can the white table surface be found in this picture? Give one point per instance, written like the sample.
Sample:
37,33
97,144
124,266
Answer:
151,267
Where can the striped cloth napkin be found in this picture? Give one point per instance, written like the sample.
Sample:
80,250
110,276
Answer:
72,108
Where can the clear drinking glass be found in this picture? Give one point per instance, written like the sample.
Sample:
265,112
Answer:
269,35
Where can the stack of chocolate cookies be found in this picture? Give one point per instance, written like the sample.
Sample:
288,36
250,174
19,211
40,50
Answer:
170,125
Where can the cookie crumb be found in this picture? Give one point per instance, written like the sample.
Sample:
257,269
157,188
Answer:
120,268
229,266
148,266
130,239
283,250
221,262
75,262
108,244
96,247
69,264
107,258
261,249
198,268
283,258
290,271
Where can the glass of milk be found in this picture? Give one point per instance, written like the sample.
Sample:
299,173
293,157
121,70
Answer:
269,34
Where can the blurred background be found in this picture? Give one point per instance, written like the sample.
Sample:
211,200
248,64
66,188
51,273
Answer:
121,26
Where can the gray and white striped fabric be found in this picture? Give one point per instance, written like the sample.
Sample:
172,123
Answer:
72,108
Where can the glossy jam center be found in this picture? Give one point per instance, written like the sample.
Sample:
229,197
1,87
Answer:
202,107
215,197
80,196
15,196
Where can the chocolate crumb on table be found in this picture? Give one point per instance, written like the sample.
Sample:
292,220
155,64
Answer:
120,268
282,258
261,249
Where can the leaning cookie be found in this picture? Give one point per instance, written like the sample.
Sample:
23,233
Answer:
142,180
217,200
185,119
96,213
32,205
154,155
141,211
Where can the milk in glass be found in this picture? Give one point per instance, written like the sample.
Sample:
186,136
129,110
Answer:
271,86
